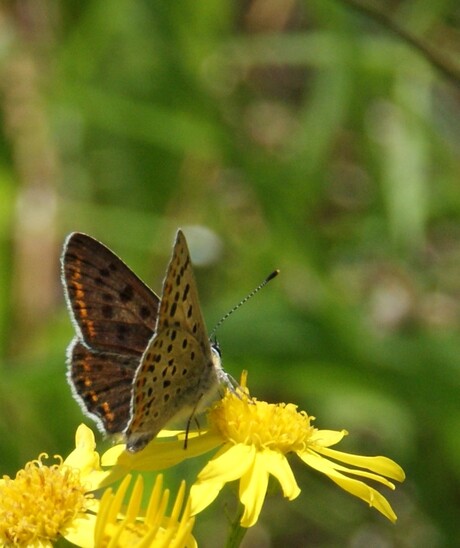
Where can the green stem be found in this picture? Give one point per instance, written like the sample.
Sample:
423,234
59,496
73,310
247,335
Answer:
237,532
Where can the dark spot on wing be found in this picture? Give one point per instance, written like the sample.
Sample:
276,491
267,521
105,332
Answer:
186,290
145,312
122,331
107,311
127,293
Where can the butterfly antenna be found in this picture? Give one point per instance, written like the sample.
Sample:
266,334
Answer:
251,294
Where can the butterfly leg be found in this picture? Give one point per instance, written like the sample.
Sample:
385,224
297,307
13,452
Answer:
189,421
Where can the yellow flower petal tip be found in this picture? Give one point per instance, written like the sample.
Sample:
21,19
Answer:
256,438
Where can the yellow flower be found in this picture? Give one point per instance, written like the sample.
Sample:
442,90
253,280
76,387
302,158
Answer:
45,502
254,438
154,530
257,437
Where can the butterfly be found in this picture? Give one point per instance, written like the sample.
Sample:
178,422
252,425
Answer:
137,360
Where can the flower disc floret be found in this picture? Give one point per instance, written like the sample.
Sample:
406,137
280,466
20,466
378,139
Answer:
279,426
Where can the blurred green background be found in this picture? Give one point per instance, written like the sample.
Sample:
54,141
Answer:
300,135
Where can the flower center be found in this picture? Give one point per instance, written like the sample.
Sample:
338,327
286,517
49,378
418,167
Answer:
242,419
39,502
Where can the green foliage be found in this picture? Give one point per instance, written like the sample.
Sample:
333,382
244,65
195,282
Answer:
309,139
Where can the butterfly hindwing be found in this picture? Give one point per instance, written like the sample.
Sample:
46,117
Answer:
102,384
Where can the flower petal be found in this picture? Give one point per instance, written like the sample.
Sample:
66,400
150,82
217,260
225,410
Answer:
158,455
111,456
84,455
353,486
326,438
379,465
86,458
253,488
230,463
81,533
366,493
325,466
278,465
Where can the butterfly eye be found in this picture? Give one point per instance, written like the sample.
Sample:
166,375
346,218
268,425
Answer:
215,347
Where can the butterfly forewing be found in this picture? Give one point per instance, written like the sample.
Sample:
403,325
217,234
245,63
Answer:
180,305
113,309
177,368
170,384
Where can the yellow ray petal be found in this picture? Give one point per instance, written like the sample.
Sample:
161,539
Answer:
228,465
278,465
326,438
353,486
253,488
379,465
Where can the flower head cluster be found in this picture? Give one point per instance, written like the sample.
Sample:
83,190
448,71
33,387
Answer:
257,438
47,501
254,439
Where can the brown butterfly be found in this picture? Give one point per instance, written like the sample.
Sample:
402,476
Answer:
137,360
